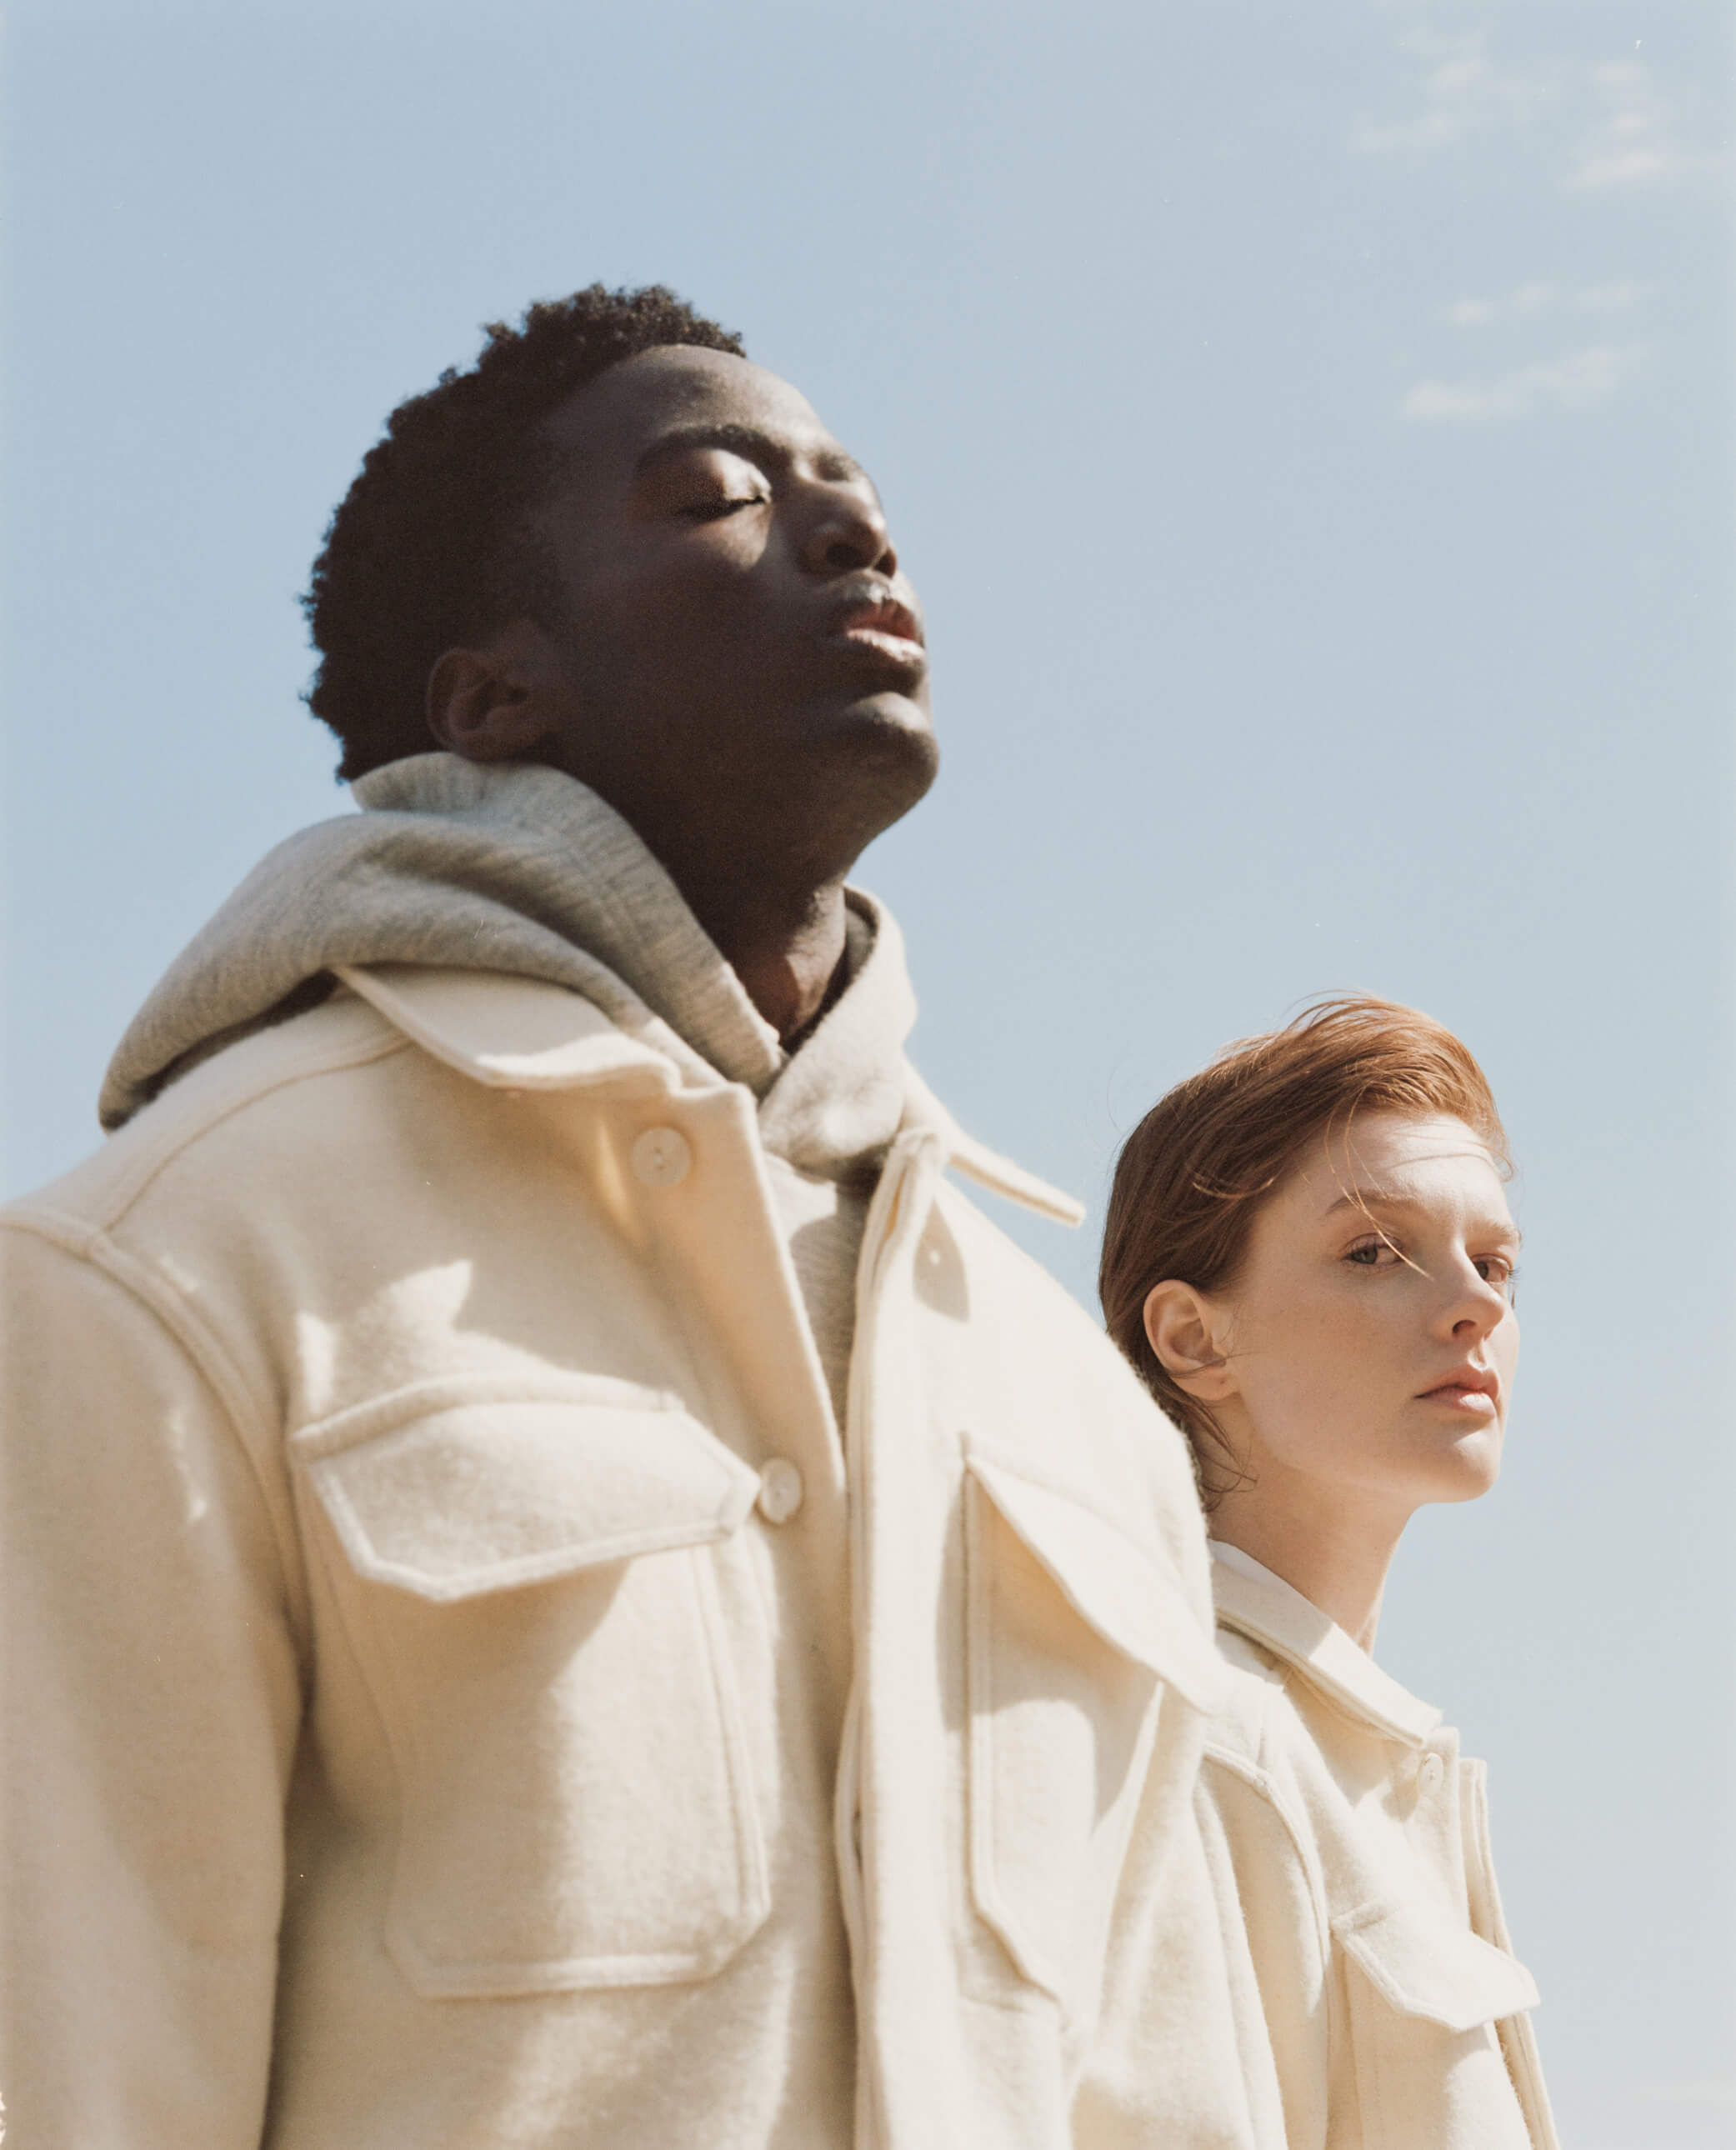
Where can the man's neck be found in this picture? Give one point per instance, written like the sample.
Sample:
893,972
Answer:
773,906
785,952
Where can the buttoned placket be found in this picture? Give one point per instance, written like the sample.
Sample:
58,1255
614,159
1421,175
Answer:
891,1559
701,1183
662,1158
679,1161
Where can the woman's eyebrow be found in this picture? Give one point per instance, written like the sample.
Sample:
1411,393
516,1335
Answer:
1389,1198
1359,1197
831,462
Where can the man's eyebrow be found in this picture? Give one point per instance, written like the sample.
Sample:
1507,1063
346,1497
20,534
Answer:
830,462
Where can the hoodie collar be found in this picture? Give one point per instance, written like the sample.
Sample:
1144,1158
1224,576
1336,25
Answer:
459,885
829,1108
1256,1602
602,889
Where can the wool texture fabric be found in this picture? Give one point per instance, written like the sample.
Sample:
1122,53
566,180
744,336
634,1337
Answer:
519,869
503,1649
1379,2001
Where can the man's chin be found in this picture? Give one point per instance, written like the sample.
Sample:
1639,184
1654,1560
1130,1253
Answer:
888,735
857,767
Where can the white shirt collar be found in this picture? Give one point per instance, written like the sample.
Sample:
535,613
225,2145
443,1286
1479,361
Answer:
1256,1602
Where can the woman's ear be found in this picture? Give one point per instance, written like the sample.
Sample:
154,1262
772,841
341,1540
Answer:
1183,1328
483,704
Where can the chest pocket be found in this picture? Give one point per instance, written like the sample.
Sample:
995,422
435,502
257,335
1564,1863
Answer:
1074,1632
1426,1995
530,1583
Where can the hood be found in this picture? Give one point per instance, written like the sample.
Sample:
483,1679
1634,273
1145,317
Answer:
523,870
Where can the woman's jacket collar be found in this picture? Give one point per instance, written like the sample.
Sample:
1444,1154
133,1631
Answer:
1253,1602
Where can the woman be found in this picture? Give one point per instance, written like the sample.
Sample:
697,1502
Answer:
1310,1260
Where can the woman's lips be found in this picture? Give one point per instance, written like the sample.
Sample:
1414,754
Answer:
1462,1395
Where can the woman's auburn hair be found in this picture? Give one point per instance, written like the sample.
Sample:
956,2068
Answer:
1191,1176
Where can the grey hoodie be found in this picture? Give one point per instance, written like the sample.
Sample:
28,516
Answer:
521,869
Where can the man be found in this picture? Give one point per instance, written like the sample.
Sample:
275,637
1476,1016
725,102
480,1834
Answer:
567,1588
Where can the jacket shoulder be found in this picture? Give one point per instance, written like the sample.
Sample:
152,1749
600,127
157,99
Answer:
1017,1289
1023,1319
1053,1401
342,1034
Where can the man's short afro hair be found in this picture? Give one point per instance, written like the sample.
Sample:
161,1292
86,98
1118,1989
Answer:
433,545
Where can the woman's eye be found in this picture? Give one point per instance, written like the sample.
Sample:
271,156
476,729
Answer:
1367,1253
1497,1269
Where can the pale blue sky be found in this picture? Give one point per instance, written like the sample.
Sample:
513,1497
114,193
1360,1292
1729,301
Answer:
1310,430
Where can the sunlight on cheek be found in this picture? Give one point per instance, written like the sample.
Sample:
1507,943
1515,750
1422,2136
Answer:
1332,1393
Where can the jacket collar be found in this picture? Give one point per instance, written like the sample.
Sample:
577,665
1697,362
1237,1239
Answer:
517,1034
564,856
924,1113
520,870
1254,1602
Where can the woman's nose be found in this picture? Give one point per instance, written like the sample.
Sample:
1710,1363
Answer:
846,533
1478,1305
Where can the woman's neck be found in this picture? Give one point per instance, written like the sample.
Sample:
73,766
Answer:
1326,1543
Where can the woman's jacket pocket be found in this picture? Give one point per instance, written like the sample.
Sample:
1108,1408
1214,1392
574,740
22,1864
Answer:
1073,1632
1426,1995
528,1578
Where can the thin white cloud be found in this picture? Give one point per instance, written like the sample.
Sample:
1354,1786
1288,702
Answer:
1606,129
1611,298
1636,141
1580,381
1463,93
1532,301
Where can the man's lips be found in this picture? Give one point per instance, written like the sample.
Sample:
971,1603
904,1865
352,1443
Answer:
881,622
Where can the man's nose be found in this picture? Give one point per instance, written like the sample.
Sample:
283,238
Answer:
846,533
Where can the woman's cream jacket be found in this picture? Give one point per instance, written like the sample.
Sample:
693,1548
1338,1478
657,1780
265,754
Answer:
1380,2003
463,1688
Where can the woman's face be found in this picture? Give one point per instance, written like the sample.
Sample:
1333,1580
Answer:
1370,1339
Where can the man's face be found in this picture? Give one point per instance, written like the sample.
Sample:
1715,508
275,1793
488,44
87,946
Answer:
734,636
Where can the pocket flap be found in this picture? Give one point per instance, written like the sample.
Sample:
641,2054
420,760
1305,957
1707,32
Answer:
1120,1588
1423,1963
451,1496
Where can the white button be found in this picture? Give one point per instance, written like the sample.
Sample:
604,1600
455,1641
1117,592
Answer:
780,1490
1431,1772
661,1156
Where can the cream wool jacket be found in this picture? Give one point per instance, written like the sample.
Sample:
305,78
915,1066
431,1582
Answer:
1381,2005
466,1690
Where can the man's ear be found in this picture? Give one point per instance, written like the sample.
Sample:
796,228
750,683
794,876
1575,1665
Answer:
483,704
1186,1331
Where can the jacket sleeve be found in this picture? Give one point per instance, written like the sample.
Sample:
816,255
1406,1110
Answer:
1275,1938
1169,2069
151,1701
